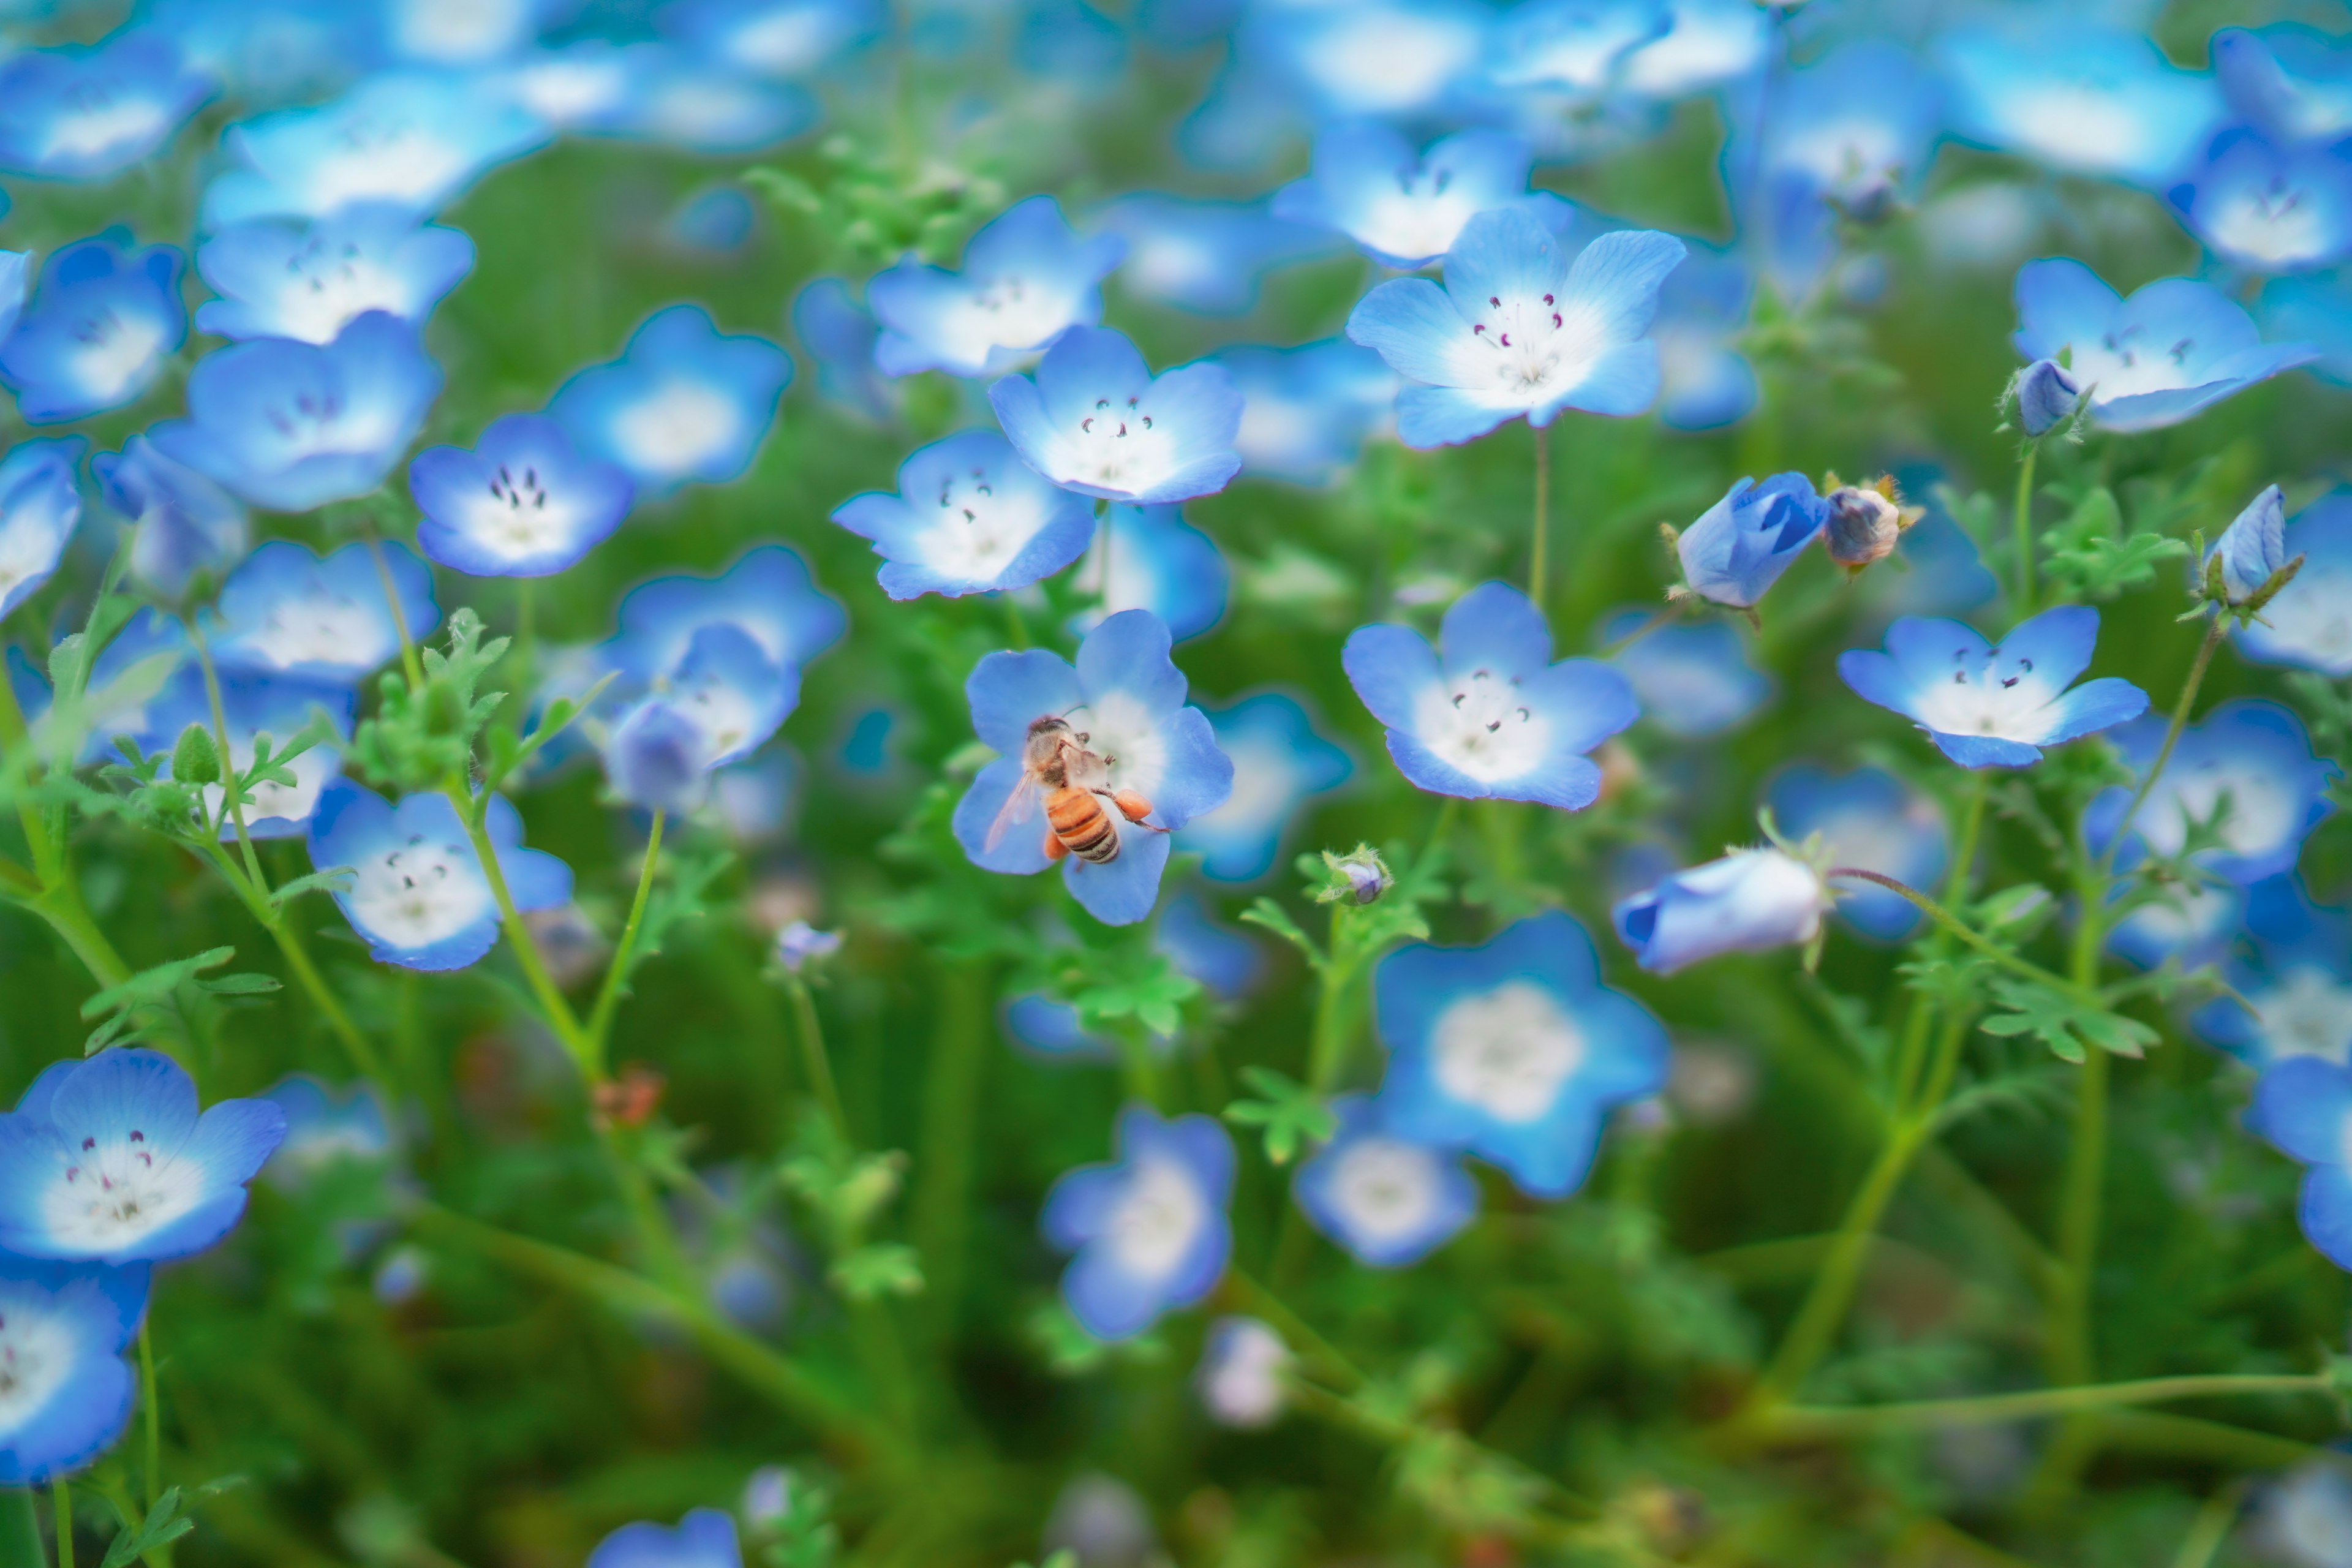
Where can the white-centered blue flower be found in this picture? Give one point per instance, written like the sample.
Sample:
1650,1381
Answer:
284,611
99,327
1703,380
1708,45
2079,98
1751,901
767,594
1994,706
1576,47
1306,412
2296,974
1208,258
1389,1200
325,1128
417,894
588,86
838,333
1406,207
1096,420
254,705
2192,922
1852,133
1513,1050
703,1538
719,703
1027,278
128,676
1518,329
1149,1230
1281,761
1240,1378
684,402
1492,717
90,113
1149,558
524,502
1740,545
2309,624
1692,682
2247,771
2291,84
2304,1105
278,277
1392,59
182,522
39,508
106,1160
1871,820
2269,208
793,39
63,1329
459,34
969,517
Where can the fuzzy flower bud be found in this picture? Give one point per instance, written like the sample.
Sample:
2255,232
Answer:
1361,877
195,760
1864,522
1751,899
799,942
2251,550
2046,396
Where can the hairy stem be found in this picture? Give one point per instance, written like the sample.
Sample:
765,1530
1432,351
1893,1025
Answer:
815,1062
1986,945
1819,1420
1536,562
2024,522
558,1012
608,997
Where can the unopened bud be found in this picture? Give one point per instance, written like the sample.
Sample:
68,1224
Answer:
1361,877
1864,522
2046,395
194,758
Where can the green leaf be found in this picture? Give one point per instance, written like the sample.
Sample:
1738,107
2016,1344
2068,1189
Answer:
128,1007
1290,1114
334,879
2068,1027
2089,555
878,1269
1127,978
420,738
165,1523
1264,911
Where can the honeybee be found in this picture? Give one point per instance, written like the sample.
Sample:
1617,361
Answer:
1074,783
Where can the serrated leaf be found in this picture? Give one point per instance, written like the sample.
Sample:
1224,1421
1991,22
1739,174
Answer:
1289,1114
334,879
1264,911
2068,1027
878,1269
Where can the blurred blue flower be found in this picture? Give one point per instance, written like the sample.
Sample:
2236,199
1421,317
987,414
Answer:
253,704
768,593
1027,277
1070,41
1750,901
66,1328
1156,562
1691,681
101,325
107,1160
182,522
2252,754
14,265
2304,1105
793,39
969,517
89,114
463,33
838,333
1944,572
590,86
703,1538
1740,545
1394,60
713,222
1704,381
2047,395
324,1128
418,896
718,704
128,676
1405,208
2297,979
2252,549
1507,277
1512,1050
1126,700
1096,420
2077,97
1872,820
752,802
1493,718
39,510
1708,45
1849,134
1988,706
1280,762
1573,45
525,502
290,426
685,102
1389,1200
282,279
2269,208
1149,1229
2309,624
2290,83
1204,256
28,685
284,611
1307,411
276,51
1240,1378
684,401
2313,307
2192,922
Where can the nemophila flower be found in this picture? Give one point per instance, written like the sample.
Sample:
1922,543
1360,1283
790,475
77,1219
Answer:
90,114
101,325
13,267
1994,706
2303,1106
1240,1378
1377,59
1945,575
1149,1230
1204,256
128,676
715,222
2247,773
838,333
1027,278
39,510
2252,549
1519,329
1871,820
1139,747
413,140
1512,1050
1096,420
717,705
703,1538
768,593
684,401
586,86
254,705
1491,717
2079,98
2291,84
1740,545
290,426
1149,558
524,502
1280,762
286,611
1708,44
2309,624
2190,920
1692,682
775,37
418,896
1848,135
63,1329
182,522
463,33
2267,208
705,106
1405,208
2303,1519
2172,350
277,278
324,1127
1390,1200
2047,395
1703,380
1750,901
2297,979
969,517
106,1160
1306,412
1572,45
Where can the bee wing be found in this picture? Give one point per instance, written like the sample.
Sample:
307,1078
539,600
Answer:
1017,808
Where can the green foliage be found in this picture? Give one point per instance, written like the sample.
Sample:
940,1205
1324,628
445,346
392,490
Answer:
862,199
2064,1023
130,1010
2090,556
422,738
165,1523
1288,1115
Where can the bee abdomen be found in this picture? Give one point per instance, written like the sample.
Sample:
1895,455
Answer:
1082,824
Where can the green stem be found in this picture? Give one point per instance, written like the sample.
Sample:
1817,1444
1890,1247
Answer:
2025,585
2181,709
815,1062
409,662
1818,1420
952,1109
608,997
1986,945
1334,1367
58,902
20,1530
558,1012
232,790
2210,1527
61,1521
152,1411
1015,622
1543,506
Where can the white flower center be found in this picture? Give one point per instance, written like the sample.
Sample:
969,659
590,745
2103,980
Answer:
324,289
2307,1014
677,428
1127,739
1481,725
2278,223
37,1352
1384,1190
976,532
398,161
319,627
2260,812
29,544
1418,214
272,801
1156,1219
516,516
100,122
111,1192
419,893
1977,700
1536,348
1118,446
2312,617
2077,125
1507,1051
1006,311
111,352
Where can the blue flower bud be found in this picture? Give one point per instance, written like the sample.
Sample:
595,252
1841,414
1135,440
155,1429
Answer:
799,942
1740,545
1750,901
2046,395
2253,548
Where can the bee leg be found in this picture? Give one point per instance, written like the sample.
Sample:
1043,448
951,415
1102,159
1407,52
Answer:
1134,807
1055,848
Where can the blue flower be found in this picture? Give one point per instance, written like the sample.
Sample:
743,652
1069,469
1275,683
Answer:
100,326
107,1161
2079,98
479,32
2269,208
39,510
1989,706
324,1128
284,611
706,107
523,503
128,676
2192,920
2252,549
1149,1230
1389,1200
1849,134
715,221
64,1326
1740,545
1155,560
2296,980
703,1538
1224,961
2172,350
768,593
1405,208
1512,1050
969,517
418,896
182,522
90,114
1692,682
290,426
1493,719
719,704
1750,901
1204,256
1573,45
838,333
1517,330
2309,624
1708,44
1307,411
1871,820
1027,278
281,278
1096,420
1704,381
2304,1106
254,705
1125,700
2250,753
14,265
776,38
2047,395
1396,60
1240,1379
590,86
684,401
2290,83
1070,42
1280,762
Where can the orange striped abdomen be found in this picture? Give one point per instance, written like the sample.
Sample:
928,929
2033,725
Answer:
1084,828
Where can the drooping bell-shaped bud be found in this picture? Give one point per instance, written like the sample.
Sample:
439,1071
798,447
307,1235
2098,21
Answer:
2046,396
1866,521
